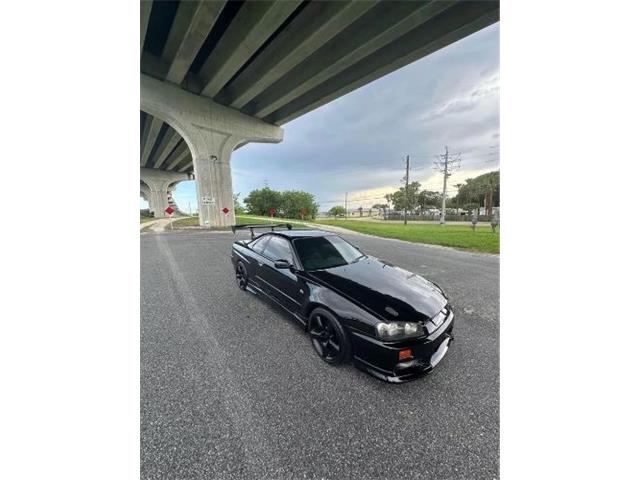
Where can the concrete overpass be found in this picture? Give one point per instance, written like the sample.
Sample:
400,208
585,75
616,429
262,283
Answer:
216,75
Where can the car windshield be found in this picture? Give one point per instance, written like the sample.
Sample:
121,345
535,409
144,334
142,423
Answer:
318,253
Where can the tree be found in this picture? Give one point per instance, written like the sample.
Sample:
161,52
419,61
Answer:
383,207
454,201
296,204
289,204
470,207
410,200
258,202
337,211
428,198
239,209
481,190
488,185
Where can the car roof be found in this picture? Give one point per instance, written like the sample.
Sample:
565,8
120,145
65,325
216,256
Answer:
301,233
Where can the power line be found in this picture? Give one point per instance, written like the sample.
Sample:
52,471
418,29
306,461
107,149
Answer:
468,150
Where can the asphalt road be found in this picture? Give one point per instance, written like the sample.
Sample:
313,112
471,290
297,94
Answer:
231,387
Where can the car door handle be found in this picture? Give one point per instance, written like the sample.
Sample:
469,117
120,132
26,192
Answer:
260,264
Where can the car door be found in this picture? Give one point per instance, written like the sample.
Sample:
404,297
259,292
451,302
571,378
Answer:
255,259
282,283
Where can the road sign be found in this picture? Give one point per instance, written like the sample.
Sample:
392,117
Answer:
225,210
207,200
169,210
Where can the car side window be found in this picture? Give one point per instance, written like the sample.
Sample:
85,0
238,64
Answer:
278,249
258,244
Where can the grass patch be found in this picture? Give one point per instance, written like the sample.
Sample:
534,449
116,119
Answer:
240,220
145,219
458,236
244,220
186,222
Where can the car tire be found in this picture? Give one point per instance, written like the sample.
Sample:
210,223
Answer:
242,279
328,337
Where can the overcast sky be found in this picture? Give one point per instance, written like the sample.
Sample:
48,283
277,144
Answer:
358,143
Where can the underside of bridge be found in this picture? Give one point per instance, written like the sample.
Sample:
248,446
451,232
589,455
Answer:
165,160
216,75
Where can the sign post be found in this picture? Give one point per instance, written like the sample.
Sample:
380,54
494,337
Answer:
169,211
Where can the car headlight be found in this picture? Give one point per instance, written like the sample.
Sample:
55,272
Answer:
398,330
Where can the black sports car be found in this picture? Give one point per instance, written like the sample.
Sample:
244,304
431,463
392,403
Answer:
392,323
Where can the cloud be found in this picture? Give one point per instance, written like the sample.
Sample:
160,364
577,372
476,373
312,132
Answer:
486,91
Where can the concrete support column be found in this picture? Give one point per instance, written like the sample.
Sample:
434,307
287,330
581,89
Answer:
157,193
172,202
212,168
158,201
211,131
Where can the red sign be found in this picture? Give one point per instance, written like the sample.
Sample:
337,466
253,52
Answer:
225,210
272,212
169,210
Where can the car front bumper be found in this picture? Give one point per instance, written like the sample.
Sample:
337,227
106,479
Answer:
380,358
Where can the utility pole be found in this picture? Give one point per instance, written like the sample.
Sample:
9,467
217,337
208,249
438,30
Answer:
406,191
445,166
345,205
444,186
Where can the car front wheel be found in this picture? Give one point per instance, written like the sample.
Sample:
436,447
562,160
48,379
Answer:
328,338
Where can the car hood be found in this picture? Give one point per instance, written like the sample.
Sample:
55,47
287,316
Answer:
384,289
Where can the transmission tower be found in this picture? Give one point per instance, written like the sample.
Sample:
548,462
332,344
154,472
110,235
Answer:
446,164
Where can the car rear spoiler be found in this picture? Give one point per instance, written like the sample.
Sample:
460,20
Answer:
253,226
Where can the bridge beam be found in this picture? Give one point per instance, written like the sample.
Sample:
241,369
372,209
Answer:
177,156
313,27
145,13
251,27
150,141
211,131
193,22
159,184
168,143
371,32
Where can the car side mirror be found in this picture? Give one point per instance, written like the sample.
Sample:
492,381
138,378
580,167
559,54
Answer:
282,264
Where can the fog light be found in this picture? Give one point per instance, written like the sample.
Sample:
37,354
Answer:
404,354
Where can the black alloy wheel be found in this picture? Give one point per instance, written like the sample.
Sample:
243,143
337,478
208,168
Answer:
328,337
241,276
